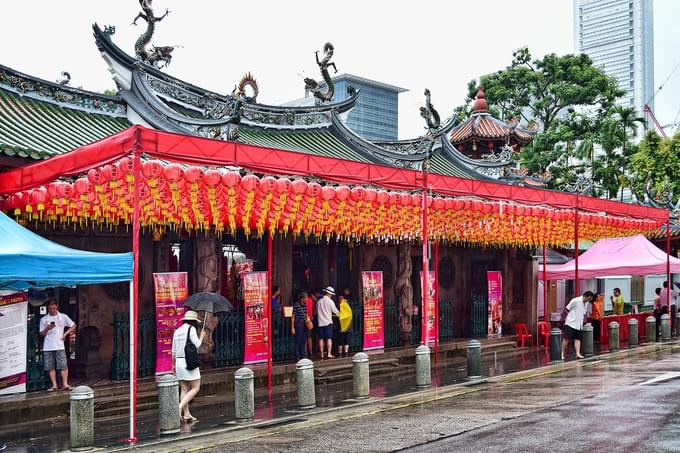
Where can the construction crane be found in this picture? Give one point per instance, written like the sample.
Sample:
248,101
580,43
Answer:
648,111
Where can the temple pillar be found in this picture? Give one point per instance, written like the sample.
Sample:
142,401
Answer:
207,278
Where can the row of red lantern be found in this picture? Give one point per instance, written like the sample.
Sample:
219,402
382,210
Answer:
191,198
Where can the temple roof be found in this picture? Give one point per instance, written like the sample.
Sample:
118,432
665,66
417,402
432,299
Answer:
40,119
482,126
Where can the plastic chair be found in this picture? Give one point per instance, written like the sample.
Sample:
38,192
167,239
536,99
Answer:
523,334
544,333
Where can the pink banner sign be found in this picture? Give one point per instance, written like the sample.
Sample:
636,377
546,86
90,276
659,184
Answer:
170,290
255,291
374,309
430,310
13,327
495,285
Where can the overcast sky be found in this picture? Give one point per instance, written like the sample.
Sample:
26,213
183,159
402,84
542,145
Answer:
412,44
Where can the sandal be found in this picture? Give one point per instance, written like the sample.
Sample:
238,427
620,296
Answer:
52,389
68,387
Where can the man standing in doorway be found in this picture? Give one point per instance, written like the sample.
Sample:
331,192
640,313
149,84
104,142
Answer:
573,324
52,327
325,309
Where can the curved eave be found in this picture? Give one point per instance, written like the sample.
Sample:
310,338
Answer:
474,129
448,152
105,45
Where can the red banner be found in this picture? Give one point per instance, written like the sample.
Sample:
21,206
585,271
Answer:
374,309
495,284
170,291
255,291
430,324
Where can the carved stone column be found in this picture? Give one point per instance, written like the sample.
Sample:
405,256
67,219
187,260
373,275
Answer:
404,292
208,264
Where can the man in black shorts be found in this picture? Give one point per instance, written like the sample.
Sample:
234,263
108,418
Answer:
573,325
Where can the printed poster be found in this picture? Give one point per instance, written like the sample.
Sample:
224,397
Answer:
255,295
170,290
13,327
430,313
374,308
495,284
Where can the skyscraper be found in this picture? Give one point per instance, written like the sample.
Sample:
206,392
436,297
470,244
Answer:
618,36
375,116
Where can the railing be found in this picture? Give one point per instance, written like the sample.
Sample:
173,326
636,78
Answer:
229,339
283,346
479,316
445,319
36,378
146,347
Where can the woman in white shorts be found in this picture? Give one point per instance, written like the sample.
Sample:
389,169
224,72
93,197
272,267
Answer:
189,380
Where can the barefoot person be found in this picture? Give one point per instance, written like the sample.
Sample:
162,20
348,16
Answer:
573,324
189,380
52,327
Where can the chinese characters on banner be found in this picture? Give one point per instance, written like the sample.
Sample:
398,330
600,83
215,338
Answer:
374,305
495,282
255,292
430,326
170,290
13,315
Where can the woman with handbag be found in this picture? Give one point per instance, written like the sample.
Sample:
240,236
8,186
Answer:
300,324
185,344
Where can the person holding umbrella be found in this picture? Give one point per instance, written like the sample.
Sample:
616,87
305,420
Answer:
189,380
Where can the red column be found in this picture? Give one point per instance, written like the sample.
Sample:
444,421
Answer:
576,221
545,285
668,261
436,298
423,311
136,172
269,304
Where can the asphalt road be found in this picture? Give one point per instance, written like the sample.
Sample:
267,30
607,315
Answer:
625,405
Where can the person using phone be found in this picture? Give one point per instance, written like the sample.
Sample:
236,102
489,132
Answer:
52,327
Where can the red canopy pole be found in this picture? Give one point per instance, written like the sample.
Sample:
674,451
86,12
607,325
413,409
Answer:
668,261
271,315
423,311
134,312
576,221
436,299
545,285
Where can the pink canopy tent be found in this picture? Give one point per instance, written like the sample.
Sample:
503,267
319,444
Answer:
634,255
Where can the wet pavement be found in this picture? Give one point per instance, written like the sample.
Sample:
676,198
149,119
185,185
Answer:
216,412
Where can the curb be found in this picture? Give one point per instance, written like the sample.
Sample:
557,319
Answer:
406,399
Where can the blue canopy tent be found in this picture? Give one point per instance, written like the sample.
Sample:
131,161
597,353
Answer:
28,260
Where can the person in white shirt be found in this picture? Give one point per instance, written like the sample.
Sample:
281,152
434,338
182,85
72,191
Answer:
52,327
573,324
664,302
325,309
189,380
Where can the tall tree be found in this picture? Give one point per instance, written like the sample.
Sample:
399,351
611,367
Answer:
657,161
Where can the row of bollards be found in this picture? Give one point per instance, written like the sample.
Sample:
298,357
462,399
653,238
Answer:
82,398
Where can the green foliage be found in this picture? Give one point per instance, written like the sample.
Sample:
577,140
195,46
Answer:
657,160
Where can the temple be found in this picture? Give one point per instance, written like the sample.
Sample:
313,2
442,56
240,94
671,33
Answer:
205,214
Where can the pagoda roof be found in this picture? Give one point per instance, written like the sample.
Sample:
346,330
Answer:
481,125
41,119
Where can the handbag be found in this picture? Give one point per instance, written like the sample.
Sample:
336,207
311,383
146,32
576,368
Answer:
191,353
308,323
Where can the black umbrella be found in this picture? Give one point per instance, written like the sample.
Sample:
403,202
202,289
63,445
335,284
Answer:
210,302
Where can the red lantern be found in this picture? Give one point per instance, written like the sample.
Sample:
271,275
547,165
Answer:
283,185
268,184
126,165
439,203
299,186
152,169
82,186
53,189
38,196
358,193
371,195
382,197
193,174
211,178
173,173
249,182
342,193
313,189
328,193
96,176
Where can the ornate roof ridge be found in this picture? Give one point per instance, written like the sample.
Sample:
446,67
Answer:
62,95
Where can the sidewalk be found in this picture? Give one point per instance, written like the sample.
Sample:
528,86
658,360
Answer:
216,411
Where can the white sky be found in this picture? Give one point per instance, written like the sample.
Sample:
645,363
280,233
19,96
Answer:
413,44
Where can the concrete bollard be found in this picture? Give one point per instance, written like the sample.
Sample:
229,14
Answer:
650,329
244,394
305,384
423,371
587,340
360,377
555,345
633,335
665,327
613,329
168,404
474,359
82,418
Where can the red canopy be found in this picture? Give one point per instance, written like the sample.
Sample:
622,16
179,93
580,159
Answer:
203,151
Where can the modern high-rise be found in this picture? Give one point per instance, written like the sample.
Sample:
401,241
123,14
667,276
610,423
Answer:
619,37
375,116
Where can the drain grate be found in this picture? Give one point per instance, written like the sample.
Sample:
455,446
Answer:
280,423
